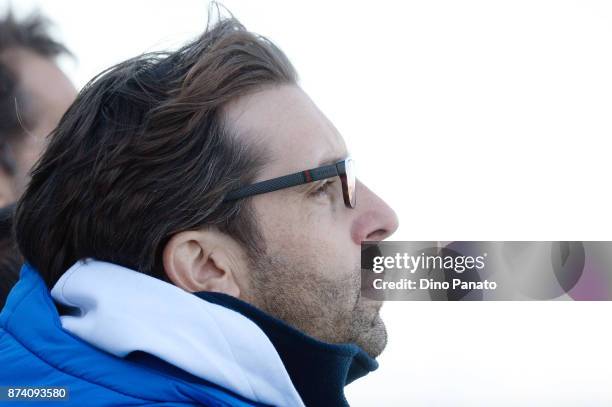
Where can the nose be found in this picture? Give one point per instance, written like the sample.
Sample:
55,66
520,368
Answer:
375,219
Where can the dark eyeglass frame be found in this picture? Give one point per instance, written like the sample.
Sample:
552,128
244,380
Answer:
343,169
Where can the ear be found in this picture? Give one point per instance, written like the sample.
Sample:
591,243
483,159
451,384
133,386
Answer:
204,260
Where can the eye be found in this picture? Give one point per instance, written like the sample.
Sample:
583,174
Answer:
322,189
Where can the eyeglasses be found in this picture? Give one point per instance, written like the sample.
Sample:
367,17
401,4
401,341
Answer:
343,169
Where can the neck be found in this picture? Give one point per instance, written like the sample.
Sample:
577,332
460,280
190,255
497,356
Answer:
319,370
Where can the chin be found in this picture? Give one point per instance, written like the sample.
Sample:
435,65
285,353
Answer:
373,337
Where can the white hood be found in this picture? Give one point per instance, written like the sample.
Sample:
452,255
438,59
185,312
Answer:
124,311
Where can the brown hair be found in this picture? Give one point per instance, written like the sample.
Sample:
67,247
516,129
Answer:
144,152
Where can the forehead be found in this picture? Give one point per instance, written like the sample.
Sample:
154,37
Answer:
49,90
284,120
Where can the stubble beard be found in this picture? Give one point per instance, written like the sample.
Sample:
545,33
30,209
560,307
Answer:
312,301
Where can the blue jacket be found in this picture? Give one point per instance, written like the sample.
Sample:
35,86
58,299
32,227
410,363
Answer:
111,346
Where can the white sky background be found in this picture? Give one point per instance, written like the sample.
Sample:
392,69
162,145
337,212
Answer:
475,120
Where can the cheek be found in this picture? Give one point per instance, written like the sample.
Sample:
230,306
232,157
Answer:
312,236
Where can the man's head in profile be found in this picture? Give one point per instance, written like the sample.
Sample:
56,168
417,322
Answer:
34,94
163,166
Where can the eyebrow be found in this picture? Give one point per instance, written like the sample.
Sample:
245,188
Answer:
331,159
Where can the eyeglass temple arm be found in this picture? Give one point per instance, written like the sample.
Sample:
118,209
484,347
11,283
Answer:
286,181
